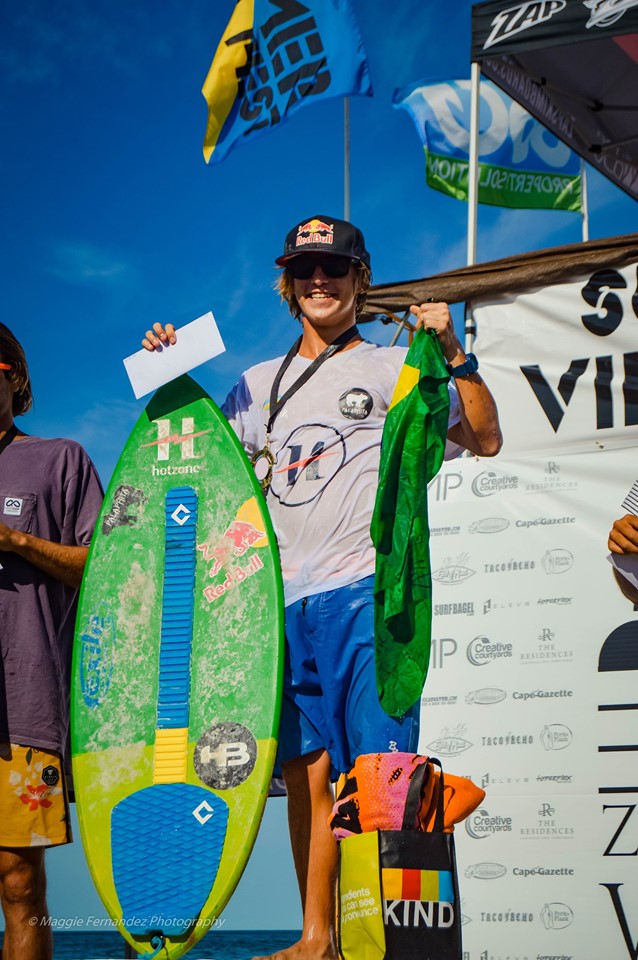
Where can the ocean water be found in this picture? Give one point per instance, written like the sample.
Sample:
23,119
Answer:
216,945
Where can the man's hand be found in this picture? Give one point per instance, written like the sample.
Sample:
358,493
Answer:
159,336
479,429
437,317
62,562
623,536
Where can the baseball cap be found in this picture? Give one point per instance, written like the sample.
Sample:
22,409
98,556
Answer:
325,235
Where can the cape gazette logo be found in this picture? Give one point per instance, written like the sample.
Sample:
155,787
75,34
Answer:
482,824
489,482
544,522
489,525
526,696
526,872
482,651
453,570
451,742
486,696
549,825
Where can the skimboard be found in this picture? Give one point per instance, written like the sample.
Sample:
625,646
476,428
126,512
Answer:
177,670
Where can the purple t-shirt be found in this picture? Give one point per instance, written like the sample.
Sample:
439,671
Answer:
50,489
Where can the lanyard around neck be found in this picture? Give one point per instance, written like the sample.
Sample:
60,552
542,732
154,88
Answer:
8,437
276,404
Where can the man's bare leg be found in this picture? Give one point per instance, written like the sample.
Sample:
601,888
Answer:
27,935
314,850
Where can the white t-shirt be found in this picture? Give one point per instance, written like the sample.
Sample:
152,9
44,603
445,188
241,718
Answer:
326,442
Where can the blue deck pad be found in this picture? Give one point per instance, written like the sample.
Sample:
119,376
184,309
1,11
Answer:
182,828
177,608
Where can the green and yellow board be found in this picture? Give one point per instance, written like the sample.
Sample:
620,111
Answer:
176,674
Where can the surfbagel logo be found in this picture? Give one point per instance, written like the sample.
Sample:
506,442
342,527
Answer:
489,482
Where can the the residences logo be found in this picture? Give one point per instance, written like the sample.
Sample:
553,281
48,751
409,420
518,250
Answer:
552,823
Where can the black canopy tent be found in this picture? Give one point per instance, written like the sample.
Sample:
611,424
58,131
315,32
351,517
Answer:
573,64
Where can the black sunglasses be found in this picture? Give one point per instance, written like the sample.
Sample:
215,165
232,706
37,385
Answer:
304,266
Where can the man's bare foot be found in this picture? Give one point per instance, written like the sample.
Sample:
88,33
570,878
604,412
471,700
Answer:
304,950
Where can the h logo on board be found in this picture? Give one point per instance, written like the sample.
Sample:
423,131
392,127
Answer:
185,440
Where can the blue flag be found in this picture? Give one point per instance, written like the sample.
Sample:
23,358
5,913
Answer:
521,163
274,56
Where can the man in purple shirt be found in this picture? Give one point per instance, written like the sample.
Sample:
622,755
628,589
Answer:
50,496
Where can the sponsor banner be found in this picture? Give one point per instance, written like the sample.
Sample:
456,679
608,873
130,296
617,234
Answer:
521,164
562,361
532,693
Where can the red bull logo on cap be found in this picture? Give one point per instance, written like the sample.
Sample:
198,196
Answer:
314,231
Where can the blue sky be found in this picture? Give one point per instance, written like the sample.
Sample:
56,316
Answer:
112,220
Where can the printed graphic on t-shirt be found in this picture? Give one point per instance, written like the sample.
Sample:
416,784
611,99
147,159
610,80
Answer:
13,506
355,403
306,463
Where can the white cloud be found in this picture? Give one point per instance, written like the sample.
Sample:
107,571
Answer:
85,263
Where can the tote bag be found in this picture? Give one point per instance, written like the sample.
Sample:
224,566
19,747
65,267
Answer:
398,889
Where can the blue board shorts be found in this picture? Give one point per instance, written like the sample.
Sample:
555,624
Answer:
330,697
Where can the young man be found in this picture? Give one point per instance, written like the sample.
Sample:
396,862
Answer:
50,496
313,423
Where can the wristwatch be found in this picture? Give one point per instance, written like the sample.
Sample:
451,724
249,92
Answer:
464,369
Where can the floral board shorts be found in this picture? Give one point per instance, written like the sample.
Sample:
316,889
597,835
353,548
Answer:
34,806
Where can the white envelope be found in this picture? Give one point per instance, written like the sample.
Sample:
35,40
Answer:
197,342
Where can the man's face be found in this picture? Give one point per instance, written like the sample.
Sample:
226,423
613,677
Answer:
326,301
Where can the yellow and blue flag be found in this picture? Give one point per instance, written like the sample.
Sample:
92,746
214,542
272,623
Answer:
274,56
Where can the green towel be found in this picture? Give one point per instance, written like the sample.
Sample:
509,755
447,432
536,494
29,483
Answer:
411,454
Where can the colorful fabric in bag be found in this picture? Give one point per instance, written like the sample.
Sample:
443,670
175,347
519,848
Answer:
403,883
376,789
